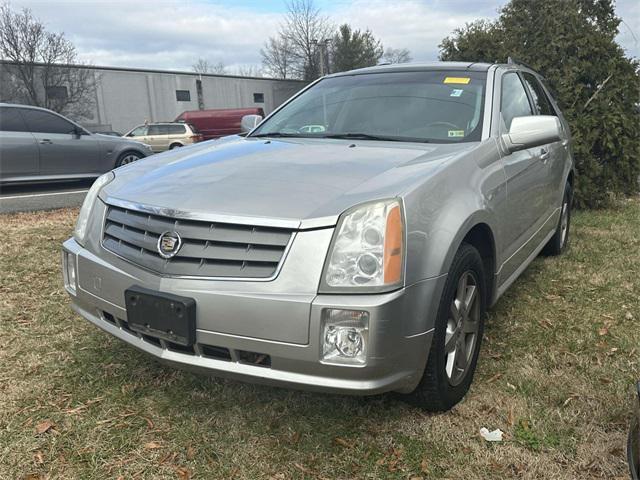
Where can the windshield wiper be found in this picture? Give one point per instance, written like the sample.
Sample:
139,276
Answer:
367,136
278,134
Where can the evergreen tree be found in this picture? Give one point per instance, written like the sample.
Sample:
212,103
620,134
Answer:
572,43
354,49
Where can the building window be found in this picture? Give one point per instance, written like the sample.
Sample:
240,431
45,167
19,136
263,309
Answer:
258,98
183,95
57,92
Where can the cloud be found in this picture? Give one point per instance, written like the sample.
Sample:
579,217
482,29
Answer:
168,34
173,34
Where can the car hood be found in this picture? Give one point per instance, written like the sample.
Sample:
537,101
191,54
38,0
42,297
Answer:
302,183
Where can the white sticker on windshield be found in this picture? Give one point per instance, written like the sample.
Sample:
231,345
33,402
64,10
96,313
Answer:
456,92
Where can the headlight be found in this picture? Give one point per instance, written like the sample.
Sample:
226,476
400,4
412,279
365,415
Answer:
80,231
367,251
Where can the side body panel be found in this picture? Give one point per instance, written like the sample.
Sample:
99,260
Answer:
19,156
64,154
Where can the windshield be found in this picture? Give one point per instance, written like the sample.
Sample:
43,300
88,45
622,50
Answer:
426,106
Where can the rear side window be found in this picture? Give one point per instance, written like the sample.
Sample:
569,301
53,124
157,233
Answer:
540,99
138,131
158,130
11,120
45,122
514,101
176,129
193,129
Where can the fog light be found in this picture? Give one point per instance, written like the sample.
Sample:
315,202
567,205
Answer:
69,271
344,336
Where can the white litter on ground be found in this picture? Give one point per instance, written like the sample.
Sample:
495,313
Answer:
495,436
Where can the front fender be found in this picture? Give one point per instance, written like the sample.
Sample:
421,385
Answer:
443,210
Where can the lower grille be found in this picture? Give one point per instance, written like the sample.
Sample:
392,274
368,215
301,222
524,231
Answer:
206,249
201,349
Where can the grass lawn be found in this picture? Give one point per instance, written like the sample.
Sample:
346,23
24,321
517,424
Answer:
556,373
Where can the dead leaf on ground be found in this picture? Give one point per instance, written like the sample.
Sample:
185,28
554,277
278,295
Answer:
424,466
33,476
152,445
38,457
191,453
343,442
183,473
44,427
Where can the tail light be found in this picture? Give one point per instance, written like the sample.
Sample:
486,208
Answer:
196,138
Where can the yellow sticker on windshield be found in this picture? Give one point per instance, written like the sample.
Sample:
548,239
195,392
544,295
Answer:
458,80
456,133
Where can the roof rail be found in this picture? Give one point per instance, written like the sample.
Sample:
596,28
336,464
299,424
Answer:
515,61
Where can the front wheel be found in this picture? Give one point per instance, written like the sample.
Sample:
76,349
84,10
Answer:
457,336
128,157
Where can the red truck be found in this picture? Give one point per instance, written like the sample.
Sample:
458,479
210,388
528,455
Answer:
218,122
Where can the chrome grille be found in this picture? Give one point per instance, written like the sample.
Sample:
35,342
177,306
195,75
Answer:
209,249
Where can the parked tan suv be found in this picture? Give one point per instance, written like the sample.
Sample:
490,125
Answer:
165,136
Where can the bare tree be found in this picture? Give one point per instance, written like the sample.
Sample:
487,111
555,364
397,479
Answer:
304,28
205,66
43,67
396,55
277,57
247,71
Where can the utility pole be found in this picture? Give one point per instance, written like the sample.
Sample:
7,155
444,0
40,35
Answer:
323,52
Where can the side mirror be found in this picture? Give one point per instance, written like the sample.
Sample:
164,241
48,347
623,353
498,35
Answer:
532,131
249,122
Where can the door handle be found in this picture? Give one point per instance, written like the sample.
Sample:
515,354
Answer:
45,141
544,155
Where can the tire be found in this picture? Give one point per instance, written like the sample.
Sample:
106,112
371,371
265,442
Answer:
175,145
443,383
128,157
560,240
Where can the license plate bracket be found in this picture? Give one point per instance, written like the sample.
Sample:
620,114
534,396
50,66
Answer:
162,315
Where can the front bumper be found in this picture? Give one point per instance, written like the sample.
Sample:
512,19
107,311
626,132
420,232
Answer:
400,328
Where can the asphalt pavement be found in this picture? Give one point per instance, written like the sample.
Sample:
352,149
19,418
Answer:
28,198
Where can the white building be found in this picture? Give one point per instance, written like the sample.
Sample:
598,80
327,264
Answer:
126,97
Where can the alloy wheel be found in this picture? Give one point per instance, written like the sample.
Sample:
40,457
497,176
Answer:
564,223
462,328
129,158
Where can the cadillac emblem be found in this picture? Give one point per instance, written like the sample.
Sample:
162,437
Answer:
169,244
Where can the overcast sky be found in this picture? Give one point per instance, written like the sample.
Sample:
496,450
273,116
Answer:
172,34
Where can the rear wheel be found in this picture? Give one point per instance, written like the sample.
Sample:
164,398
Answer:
458,334
560,239
175,145
128,157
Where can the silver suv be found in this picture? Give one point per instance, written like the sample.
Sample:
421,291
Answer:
37,144
351,243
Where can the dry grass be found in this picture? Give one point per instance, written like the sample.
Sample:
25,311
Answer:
555,374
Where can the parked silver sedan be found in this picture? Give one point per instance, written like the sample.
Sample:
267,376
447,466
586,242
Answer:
351,243
38,145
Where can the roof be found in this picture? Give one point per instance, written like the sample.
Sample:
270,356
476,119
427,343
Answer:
151,70
417,67
33,107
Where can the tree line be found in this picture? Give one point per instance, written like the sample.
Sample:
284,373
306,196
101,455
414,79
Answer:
309,45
